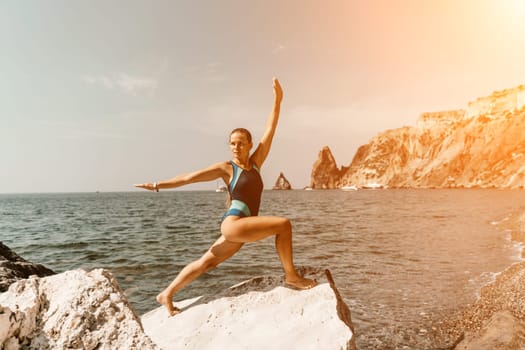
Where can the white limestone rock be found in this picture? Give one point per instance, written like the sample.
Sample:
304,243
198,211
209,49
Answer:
258,314
72,310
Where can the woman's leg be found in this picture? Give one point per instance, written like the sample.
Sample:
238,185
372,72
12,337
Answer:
219,251
254,228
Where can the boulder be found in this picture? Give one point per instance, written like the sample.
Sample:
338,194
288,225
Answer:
88,310
258,314
72,310
13,268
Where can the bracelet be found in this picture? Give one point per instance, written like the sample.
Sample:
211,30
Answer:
155,187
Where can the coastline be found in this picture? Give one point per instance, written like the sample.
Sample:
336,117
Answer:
517,228
496,320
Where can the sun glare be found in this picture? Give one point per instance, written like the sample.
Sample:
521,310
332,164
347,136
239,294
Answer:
512,8
506,19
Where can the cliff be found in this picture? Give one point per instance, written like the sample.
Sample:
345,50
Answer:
481,146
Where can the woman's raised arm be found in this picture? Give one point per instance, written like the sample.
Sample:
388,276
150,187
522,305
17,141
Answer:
260,154
213,172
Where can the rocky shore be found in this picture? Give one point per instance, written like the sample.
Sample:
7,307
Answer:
13,268
72,310
497,319
88,310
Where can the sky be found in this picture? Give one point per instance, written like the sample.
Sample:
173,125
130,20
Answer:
100,95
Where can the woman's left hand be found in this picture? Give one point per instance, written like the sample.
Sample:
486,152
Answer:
277,90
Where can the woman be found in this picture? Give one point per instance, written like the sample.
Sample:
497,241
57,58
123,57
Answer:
240,223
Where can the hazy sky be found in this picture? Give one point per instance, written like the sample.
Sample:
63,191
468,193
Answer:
99,95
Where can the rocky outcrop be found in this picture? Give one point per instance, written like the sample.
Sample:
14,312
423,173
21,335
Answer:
325,173
14,268
258,314
88,310
71,310
481,146
282,183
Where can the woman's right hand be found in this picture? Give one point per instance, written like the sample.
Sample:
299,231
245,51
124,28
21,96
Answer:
148,186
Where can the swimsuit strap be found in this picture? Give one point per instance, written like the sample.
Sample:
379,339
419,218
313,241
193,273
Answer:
237,170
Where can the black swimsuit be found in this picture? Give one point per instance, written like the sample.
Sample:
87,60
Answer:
245,191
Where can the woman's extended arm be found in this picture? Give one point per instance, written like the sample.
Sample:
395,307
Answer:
260,154
215,171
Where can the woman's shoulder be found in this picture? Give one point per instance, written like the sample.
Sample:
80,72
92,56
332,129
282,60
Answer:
222,169
221,164
224,165
219,168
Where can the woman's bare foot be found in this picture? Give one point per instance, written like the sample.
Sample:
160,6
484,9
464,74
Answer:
167,302
300,282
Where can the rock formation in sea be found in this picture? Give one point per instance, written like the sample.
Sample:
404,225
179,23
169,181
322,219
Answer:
282,183
480,146
325,173
258,314
13,268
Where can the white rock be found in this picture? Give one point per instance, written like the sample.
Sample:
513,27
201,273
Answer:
258,314
81,310
75,309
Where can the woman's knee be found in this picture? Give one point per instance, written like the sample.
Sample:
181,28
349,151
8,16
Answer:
285,225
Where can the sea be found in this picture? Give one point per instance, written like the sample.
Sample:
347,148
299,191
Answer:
402,259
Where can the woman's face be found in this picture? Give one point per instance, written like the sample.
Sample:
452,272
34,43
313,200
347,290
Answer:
240,145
